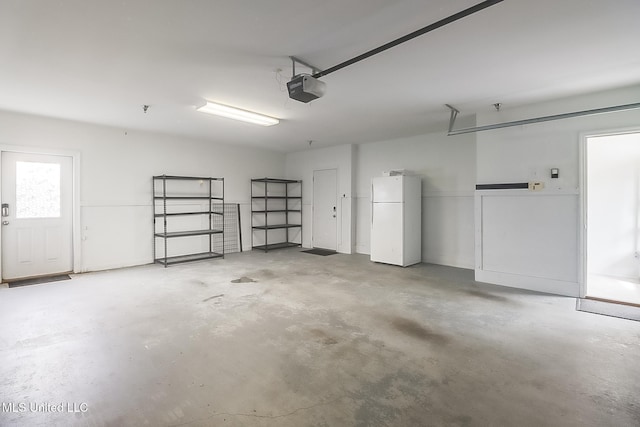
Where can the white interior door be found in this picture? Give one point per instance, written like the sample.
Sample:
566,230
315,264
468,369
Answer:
37,206
325,212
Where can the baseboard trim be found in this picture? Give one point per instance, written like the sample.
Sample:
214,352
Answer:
439,260
537,284
612,301
449,262
362,249
604,308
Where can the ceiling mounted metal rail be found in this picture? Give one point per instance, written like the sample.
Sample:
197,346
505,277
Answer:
454,114
428,28
295,60
452,118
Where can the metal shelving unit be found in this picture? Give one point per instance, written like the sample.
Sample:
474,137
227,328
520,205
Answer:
276,204
175,197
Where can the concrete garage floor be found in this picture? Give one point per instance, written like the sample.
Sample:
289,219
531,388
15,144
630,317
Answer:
292,339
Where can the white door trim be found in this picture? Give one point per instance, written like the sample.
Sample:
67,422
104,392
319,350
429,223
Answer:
75,221
582,184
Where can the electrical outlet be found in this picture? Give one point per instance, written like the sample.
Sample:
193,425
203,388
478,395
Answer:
536,186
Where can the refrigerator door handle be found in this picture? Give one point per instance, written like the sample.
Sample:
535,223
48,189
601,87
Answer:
371,203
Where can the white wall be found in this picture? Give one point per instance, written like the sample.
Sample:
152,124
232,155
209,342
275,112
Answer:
522,239
546,254
116,169
613,200
447,168
301,164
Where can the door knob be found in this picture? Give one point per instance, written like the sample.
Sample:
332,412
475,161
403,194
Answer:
5,222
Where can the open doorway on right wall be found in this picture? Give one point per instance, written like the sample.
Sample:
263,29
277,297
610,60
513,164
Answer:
612,190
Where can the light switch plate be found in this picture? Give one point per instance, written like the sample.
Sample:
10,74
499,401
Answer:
536,186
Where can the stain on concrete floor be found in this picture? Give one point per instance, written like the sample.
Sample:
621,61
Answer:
384,401
267,274
213,297
486,295
244,279
322,337
414,329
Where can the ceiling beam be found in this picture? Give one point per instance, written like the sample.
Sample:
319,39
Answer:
413,35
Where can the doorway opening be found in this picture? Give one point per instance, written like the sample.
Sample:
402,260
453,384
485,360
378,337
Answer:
612,220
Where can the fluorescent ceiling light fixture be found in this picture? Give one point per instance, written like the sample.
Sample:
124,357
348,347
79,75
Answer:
237,114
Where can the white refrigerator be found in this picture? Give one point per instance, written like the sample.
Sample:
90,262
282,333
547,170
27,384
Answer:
396,220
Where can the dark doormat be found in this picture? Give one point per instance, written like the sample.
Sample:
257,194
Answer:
38,280
318,251
622,311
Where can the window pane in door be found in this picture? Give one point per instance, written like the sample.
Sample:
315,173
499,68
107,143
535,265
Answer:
37,190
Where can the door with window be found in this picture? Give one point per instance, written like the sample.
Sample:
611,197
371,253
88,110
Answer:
37,206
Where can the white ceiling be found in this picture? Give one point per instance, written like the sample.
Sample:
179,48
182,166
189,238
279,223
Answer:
99,61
